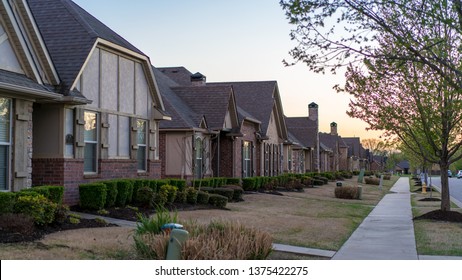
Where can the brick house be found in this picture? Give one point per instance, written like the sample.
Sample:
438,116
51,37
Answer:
357,158
27,78
304,133
337,149
96,109
194,144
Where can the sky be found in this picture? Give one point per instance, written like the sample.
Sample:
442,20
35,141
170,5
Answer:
237,40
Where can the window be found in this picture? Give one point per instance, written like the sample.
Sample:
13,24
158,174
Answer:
141,141
91,142
289,159
5,142
198,154
246,159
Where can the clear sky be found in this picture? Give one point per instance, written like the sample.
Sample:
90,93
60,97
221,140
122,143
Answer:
238,40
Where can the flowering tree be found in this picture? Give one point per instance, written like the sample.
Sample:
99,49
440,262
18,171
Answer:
403,67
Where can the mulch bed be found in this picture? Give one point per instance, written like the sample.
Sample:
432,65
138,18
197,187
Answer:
7,236
430,199
447,216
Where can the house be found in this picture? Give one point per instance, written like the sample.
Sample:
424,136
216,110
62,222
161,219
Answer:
203,119
336,148
357,159
402,167
253,147
304,135
28,77
82,102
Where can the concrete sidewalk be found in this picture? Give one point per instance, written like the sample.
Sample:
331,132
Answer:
387,233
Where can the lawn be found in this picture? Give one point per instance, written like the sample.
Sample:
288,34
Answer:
313,218
435,237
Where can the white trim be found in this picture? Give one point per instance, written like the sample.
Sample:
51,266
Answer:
3,38
22,41
34,92
41,43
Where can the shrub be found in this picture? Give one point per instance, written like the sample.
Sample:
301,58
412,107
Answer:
145,197
154,224
238,192
181,196
123,189
191,195
179,183
111,193
226,192
160,183
7,200
161,197
218,200
317,182
137,184
207,189
233,181
324,179
92,196
248,184
39,208
153,185
171,192
220,240
202,197
372,181
61,213
307,181
52,193
348,192
17,223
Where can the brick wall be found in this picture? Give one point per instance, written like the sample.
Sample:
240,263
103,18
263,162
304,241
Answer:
69,173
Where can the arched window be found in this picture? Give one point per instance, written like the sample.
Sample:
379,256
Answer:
198,158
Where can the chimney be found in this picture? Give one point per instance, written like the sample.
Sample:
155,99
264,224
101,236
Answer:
313,111
198,79
333,128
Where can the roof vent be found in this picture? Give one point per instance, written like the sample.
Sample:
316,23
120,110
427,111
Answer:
198,79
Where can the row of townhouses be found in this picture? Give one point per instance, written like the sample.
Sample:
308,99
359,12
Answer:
79,103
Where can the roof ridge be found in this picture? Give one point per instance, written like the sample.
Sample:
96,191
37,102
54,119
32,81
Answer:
79,18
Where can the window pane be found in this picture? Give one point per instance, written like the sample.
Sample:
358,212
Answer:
141,156
3,167
90,127
141,131
89,163
4,120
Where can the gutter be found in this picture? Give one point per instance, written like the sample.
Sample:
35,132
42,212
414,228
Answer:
36,93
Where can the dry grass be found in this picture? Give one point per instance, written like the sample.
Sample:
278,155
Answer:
435,237
313,218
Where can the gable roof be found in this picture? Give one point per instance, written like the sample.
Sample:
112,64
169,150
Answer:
354,147
331,141
70,33
304,129
258,99
179,75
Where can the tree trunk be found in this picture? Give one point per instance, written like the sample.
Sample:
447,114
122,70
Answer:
445,201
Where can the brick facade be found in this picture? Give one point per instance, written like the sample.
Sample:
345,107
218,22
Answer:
69,173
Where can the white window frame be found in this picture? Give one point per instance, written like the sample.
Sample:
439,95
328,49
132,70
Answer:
8,147
247,159
198,151
93,142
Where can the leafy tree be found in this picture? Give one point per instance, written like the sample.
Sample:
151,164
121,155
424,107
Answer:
404,67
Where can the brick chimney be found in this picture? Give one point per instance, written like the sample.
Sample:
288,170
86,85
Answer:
198,79
333,128
313,111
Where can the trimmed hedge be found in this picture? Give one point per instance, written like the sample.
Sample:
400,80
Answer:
162,196
145,197
179,183
202,197
226,192
233,181
111,193
191,195
317,182
92,196
53,193
160,183
7,200
348,192
124,187
248,184
218,200
237,192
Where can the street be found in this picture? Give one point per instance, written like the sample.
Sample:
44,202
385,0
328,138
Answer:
455,186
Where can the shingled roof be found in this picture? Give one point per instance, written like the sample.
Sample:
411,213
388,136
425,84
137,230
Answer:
255,98
179,74
354,147
304,129
70,33
331,140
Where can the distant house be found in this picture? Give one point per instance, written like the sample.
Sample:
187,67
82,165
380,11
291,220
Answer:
203,118
338,149
253,147
403,167
357,158
81,102
303,133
